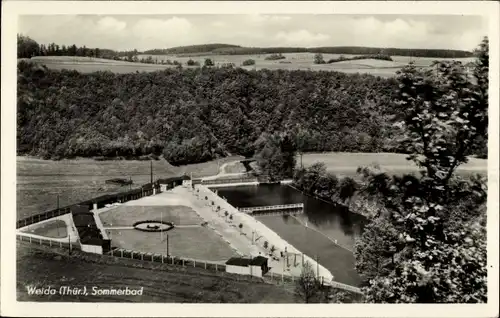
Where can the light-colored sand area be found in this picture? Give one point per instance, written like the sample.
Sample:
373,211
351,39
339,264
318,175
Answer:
196,243
126,215
242,239
56,229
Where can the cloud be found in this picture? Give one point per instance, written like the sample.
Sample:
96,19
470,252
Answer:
111,24
302,38
123,32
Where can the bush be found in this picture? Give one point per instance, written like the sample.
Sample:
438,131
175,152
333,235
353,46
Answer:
248,62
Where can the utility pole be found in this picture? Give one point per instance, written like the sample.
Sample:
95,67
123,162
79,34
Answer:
167,247
58,213
151,165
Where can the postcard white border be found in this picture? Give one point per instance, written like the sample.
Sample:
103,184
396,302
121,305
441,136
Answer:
10,12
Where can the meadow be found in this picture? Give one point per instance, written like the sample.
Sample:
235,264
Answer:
293,61
162,283
51,228
198,243
127,215
393,163
40,182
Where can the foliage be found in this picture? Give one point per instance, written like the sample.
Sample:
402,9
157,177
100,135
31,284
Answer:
26,47
275,156
191,62
308,286
195,115
266,244
274,57
429,244
209,62
361,57
316,181
248,62
318,59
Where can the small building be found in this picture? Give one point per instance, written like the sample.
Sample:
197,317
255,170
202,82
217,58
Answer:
170,183
256,266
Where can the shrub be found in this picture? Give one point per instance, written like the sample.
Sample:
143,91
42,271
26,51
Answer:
248,62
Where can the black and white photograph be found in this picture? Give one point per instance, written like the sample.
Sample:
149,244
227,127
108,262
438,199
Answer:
307,160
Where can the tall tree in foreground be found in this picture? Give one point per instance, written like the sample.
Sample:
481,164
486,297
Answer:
432,230
26,47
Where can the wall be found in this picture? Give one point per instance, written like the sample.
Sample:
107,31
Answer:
256,271
91,248
242,270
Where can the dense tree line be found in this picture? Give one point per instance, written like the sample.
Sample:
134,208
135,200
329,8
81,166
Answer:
27,48
239,50
67,114
361,57
201,48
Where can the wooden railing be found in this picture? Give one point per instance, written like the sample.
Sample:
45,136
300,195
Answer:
272,207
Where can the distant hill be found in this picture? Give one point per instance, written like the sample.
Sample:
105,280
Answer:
240,50
202,48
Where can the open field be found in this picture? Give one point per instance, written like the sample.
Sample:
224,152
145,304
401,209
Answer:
161,283
126,215
40,181
194,242
51,228
347,163
293,61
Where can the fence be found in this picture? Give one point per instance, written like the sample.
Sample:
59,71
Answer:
101,201
47,242
272,207
172,260
229,180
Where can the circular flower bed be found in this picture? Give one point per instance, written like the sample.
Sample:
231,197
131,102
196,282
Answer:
153,226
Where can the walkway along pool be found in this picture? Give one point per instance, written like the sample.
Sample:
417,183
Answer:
323,231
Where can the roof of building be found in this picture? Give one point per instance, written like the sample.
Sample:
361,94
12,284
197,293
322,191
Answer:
259,261
172,179
245,262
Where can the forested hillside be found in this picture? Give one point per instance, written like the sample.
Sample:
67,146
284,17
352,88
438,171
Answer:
360,50
193,115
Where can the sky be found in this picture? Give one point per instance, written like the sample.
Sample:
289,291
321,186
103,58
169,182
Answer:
142,32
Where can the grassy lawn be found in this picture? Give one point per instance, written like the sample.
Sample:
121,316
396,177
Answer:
40,181
127,215
161,283
52,228
347,163
195,242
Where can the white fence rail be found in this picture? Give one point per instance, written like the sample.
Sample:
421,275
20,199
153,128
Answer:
272,207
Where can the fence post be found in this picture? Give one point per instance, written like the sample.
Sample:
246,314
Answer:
50,243
194,263
162,258
172,261
121,253
40,241
205,265
216,267
132,254
30,239
142,256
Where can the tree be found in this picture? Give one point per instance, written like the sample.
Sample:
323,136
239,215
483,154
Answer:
26,47
318,58
266,244
240,226
248,62
231,217
308,286
439,252
209,62
226,214
276,156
